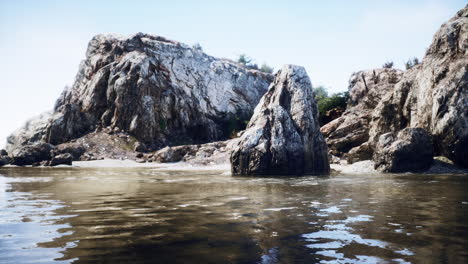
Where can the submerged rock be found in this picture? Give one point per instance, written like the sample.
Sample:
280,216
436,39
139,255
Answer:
366,89
158,91
410,150
283,136
434,94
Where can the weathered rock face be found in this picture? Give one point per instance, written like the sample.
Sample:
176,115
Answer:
366,89
159,91
411,150
434,94
31,154
283,137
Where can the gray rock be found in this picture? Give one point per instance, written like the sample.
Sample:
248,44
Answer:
159,91
61,159
175,154
140,147
283,136
4,160
3,152
366,89
31,154
434,94
75,150
411,150
360,153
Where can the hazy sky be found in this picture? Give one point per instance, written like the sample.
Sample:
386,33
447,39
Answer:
43,42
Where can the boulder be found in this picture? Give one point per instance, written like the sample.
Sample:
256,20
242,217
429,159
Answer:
31,154
360,153
433,95
283,137
61,159
75,150
411,150
3,152
4,160
351,129
159,91
140,147
174,154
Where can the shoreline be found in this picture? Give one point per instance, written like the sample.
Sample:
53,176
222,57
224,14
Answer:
361,167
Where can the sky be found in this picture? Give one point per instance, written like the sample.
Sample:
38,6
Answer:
43,42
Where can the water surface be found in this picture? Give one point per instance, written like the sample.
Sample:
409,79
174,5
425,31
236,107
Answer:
139,215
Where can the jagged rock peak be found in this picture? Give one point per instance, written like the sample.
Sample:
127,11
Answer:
434,94
162,92
283,136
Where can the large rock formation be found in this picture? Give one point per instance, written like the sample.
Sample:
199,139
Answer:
283,137
351,130
434,94
410,150
158,91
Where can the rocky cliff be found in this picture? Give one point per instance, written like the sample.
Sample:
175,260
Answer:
351,130
159,92
434,94
283,137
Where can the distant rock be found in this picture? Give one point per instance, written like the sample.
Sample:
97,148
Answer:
75,150
175,154
31,154
61,159
158,91
411,150
4,160
366,89
204,154
283,136
434,94
360,153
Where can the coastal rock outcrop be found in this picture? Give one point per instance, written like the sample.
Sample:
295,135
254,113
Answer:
433,95
411,150
350,130
283,137
160,92
32,154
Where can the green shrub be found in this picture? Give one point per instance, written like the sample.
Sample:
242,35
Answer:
266,68
411,63
197,46
248,62
327,102
388,65
244,59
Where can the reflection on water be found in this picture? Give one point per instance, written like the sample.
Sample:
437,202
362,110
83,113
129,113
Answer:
66,215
